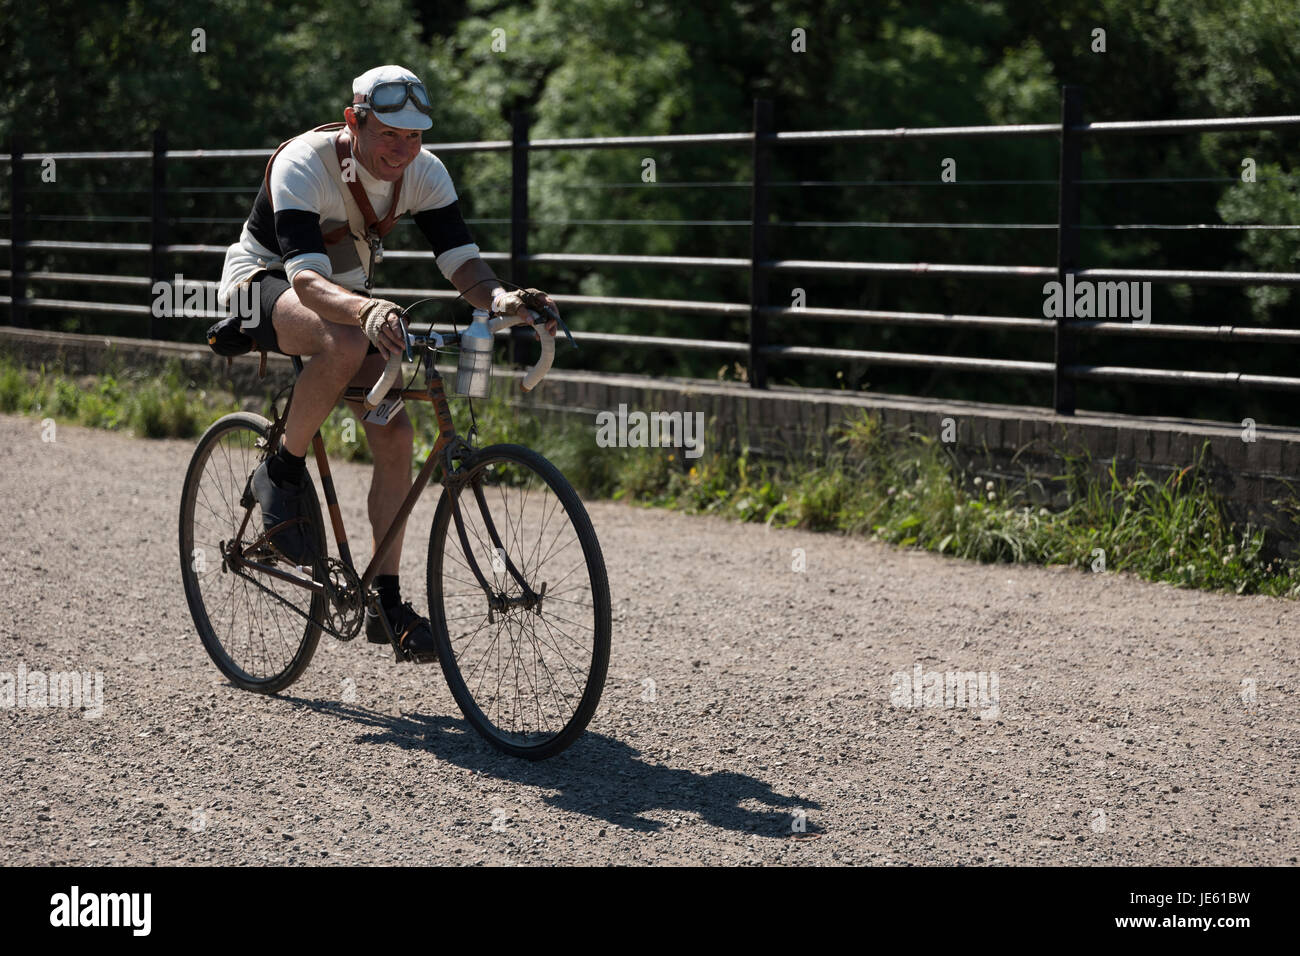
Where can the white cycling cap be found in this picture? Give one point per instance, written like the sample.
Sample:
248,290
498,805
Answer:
408,117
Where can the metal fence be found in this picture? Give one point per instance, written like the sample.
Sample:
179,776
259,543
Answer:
1064,370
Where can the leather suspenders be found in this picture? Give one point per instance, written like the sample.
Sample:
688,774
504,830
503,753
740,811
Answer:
361,214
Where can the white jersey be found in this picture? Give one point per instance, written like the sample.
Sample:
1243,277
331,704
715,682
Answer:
299,181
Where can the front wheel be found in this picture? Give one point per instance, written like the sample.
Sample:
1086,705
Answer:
519,601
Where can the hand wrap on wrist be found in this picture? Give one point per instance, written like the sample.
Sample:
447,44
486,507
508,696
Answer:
372,316
509,303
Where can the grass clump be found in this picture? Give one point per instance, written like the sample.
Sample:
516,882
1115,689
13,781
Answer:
159,405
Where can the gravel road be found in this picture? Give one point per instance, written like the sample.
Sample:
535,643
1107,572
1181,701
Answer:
753,713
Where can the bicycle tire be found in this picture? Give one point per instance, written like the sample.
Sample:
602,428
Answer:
538,639
226,489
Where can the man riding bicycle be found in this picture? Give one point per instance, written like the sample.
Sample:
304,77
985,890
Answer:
308,246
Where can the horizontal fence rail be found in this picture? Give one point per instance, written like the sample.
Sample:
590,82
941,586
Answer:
762,316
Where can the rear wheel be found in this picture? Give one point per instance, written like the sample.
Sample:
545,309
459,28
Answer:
257,641
526,656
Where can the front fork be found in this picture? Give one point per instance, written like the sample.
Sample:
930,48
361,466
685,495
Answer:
498,601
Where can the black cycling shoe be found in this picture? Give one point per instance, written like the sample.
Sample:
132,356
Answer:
414,635
278,505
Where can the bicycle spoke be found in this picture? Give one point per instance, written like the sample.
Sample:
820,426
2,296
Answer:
572,670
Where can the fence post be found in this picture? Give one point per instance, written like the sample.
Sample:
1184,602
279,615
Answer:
158,223
1067,240
762,153
17,236
519,122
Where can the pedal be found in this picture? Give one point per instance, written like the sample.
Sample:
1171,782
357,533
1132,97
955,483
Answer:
399,655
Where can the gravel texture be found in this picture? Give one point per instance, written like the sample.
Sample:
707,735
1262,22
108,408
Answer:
1126,727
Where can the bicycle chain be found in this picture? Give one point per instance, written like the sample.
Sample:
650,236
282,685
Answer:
327,626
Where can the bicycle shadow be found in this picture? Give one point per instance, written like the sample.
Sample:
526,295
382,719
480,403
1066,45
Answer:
599,776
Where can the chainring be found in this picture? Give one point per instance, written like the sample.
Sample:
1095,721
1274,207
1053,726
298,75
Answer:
346,609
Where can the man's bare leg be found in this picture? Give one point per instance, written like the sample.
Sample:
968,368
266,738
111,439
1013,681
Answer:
391,446
336,353
338,359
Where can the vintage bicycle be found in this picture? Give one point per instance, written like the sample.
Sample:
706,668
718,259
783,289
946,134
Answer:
517,591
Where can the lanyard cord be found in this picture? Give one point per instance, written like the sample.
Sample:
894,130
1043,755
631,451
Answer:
375,243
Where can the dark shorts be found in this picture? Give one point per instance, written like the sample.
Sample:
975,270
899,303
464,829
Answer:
270,286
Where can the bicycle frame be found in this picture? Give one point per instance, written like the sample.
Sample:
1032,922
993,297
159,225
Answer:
448,448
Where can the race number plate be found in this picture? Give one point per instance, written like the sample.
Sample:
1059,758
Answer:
383,413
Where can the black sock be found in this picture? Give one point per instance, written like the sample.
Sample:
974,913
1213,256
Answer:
286,468
389,595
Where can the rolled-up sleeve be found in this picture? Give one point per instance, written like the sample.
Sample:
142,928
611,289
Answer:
453,259
308,263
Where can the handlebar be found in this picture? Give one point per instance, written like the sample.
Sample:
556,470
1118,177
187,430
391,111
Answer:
537,372
532,375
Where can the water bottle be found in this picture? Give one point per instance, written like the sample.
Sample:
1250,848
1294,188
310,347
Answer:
474,370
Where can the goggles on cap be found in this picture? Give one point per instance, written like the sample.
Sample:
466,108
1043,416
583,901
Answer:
392,96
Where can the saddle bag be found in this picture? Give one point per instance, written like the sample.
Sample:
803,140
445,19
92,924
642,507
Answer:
227,339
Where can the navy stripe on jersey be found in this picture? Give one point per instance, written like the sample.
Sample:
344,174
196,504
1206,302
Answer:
444,228
261,221
297,231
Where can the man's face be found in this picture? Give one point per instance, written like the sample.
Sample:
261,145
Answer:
384,151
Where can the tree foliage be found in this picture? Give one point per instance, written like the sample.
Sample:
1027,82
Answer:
83,75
